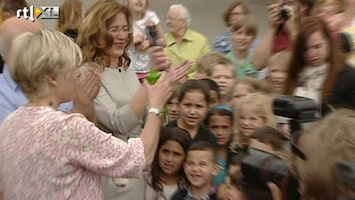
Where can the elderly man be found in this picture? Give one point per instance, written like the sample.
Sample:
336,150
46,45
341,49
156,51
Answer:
11,96
182,42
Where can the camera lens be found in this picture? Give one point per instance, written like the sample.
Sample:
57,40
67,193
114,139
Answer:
285,14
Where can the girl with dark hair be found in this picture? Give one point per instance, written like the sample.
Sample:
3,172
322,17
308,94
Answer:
219,121
167,169
317,68
194,99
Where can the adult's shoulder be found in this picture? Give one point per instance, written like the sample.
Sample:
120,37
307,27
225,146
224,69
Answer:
194,35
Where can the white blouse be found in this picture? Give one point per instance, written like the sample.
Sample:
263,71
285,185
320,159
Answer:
311,82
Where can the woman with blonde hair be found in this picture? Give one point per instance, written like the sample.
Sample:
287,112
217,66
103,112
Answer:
48,154
71,15
105,36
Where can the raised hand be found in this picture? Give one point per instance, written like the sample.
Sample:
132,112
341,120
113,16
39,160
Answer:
159,92
179,72
275,191
86,91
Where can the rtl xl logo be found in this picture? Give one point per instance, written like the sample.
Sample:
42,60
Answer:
42,12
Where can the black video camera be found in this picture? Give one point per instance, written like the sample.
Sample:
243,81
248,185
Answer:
152,34
258,168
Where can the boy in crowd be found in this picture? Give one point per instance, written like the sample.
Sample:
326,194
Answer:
200,168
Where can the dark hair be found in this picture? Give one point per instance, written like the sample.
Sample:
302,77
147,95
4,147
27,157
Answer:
236,159
179,135
219,110
267,134
298,63
204,146
212,86
230,8
192,85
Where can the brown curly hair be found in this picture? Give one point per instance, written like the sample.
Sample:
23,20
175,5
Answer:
95,27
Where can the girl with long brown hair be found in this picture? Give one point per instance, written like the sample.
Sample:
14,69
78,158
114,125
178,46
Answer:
317,68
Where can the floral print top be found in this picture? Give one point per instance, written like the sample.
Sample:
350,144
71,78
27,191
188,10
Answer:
47,154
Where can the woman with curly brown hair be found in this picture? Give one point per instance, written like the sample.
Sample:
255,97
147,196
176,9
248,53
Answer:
104,37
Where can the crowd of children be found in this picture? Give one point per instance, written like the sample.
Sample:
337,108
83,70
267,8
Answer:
222,110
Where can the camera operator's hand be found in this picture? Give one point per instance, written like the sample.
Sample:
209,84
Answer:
159,59
274,15
275,191
291,23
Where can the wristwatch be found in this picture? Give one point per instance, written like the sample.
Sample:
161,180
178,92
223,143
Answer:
155,111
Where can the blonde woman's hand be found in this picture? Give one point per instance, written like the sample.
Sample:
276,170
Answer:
86,89
159,92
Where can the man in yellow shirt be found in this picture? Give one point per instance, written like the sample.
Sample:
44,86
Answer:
182,42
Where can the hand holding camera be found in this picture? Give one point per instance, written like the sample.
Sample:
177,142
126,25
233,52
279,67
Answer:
282,15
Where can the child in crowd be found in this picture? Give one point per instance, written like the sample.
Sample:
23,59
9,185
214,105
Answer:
167,169
142,18
244,32
223,73
253,111
194,98
269,139
234,167
215,96
219,121
328,9
173,103
277,70
247,85
200,168
205,63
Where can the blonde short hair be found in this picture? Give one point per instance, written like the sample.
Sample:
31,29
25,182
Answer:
206,61
253,85
325,143
35,56
261,105
279,61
